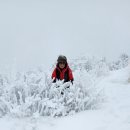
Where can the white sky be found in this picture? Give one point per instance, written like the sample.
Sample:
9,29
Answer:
36,32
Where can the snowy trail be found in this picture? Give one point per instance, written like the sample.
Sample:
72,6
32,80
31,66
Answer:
113,115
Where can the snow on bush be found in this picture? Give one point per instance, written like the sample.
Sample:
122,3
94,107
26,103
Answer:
122,62
32,92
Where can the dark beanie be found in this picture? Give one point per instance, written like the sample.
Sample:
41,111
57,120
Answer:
62,58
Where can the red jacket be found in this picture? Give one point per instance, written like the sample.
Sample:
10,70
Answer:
65,74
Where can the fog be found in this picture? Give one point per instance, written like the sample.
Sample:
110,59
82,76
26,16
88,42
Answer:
34,33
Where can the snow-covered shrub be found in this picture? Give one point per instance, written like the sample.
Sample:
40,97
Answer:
124,58
3,108
94,66
122,62
57,99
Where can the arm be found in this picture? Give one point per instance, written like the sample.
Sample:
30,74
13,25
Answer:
54,75
71,78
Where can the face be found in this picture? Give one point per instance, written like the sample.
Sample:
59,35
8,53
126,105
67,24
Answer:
62,65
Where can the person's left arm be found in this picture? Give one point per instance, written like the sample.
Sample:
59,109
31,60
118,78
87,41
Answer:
71,78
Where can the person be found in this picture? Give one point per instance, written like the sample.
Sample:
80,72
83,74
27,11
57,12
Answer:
62,71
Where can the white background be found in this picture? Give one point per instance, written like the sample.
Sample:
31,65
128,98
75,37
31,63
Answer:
36,32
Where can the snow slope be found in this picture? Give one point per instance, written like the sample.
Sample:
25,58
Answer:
114,114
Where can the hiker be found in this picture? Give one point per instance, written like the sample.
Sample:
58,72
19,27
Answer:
62,70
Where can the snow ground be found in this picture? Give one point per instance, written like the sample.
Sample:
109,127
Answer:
114,114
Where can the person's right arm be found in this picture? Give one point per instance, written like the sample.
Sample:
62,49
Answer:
54,75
